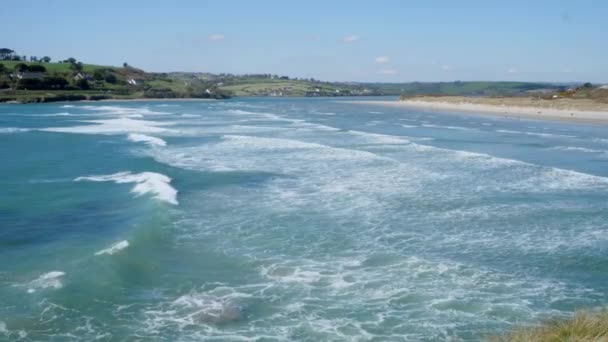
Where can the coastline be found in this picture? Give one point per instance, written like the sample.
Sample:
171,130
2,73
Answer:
117,100
511,110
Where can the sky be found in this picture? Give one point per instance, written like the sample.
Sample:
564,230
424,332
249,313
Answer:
333,40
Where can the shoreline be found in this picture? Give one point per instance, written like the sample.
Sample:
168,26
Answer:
115,100
500,110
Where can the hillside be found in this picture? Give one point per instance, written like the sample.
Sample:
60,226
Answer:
39,80
70,80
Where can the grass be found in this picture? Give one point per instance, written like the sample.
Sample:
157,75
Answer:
585,326
61,68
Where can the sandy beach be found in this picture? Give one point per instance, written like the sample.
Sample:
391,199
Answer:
579,110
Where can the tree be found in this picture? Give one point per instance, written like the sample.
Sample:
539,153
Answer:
71,60
6,54
98,75
587,85
125,65
46,59
2,68
83,84
76,67
110,78
22,67
37,68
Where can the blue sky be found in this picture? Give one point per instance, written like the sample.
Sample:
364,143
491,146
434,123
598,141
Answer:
377,40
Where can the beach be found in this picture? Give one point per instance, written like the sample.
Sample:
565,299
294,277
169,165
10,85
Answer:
573,110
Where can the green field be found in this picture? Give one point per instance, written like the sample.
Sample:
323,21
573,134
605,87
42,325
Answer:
184,85
62,68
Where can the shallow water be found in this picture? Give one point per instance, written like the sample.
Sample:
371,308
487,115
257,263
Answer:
293,219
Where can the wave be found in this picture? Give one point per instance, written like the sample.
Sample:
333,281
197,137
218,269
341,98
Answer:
579,149
114,126
381,138
55,114
153,141
13,129
145,183
271,116
545,135
459,128
123,111
47,280
115,248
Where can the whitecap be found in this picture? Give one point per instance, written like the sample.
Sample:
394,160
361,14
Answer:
114,126
145,183
545,135
47,280
153,141
575,148
13,129
115,248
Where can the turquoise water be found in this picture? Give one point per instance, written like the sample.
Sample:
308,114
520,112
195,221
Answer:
293,219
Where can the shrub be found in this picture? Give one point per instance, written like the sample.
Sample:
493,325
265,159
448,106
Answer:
585,326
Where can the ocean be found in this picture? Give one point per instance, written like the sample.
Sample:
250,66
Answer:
260,219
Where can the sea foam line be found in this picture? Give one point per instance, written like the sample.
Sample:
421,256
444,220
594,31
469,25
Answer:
47,280
115,248
145,183
152,141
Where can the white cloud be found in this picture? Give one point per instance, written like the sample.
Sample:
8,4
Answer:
350,39
446,67
216,37
382,59
388,72
512,71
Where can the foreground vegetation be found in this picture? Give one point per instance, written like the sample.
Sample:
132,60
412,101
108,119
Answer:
584,327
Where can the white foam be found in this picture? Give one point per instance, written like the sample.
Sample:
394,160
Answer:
67,106
114,126
271,116
153,141
115,248
579,149
380,138
13,130
122,111
448,127
3,328
47,280
545,135
145,183
55,114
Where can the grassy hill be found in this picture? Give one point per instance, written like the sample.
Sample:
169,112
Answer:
47,82
473,88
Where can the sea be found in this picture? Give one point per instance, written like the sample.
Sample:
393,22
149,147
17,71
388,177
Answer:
294,219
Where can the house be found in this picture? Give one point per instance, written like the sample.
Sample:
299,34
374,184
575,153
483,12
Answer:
82,76
28,75
132,81
605,86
